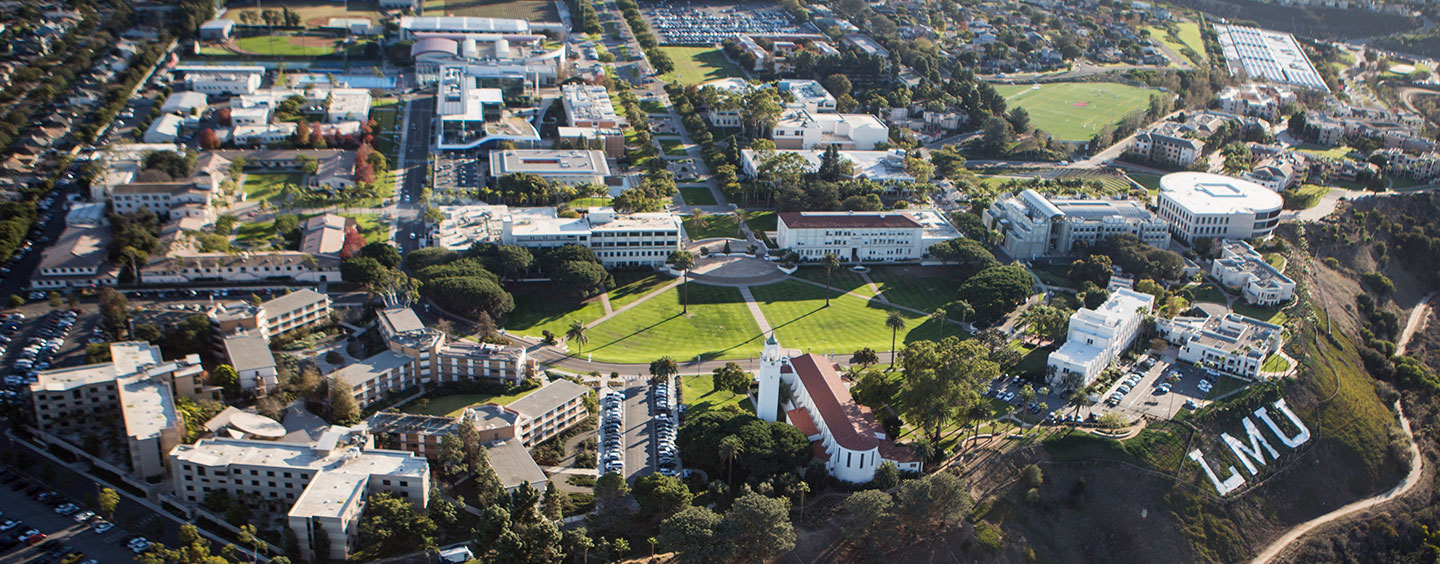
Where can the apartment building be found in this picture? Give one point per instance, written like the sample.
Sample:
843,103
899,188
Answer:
1257,100
801,128
374,378
1243,268
1419,166
301,309
1200,204
1034,226
1279,172
324,483
1165,148
249,355
1096,337
169,200
1230,344
137,387
421,434
442,360
863,236
548,411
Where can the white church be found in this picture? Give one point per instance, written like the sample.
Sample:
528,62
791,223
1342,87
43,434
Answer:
843,433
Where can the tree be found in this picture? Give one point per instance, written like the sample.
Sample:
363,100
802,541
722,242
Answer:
512,261
1019,119
106,501
354,241
250,536
393,524
838,85
887,475
583,278
383,252
692,535
1047,322
731,377
610,488
831,262
1093,268
895,322
730,448
209,140
996,291
942,380
758,528
577,333
364,271
663,368
683,261
965,252
114,310
225,376
343,408
998,134
662,496
865,357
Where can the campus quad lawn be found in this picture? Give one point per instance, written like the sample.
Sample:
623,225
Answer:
713,226
592,202
841,280
451,405
673,147
633,285
797,313
291,45
371,228
1075,111
694,65
263,186
718,326
921,287
533,10
697,196
700,395
541,306
255,233
313,13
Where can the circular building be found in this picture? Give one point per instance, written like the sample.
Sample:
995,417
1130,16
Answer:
1200,204
256,426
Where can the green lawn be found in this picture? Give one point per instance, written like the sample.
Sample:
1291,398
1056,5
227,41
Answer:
1275,363
797,313
1339,153
1208,293
1151,182
1267,315
1054,275
698,196
1178,47
711,226
1074,111
265,186
631,286
371,227
718,326
1275,260
699,394
254,234
694,65
451,405
287,45
582,203
541,306
673,147
653,107
842,279
921,287
761,222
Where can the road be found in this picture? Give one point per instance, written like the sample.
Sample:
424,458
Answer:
1413,323
1412,478
639,433
409,221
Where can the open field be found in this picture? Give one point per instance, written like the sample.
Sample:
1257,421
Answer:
797,313
540,307
711,226
694,65
700,395
288,45
313,13
718,326
925,288
631,286
533,10
842,279
265,186
1075,111
451,405
698,196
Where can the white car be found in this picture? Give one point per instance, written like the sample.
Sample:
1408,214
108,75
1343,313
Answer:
102,526
84,516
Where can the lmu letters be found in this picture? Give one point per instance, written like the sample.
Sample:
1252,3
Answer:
1256,447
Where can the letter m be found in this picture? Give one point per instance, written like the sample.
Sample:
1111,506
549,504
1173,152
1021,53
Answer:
1246,452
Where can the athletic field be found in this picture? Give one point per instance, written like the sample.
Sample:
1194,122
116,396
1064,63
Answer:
1075,111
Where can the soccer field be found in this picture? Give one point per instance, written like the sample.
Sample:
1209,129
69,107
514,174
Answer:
1075,111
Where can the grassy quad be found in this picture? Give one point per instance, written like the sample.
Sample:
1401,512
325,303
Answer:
700,395
697,196
265,186
452,405
712,226
797,313
371,227
695,65
288,45
718,326
925,288
673,147
1075,111
842,279
541,307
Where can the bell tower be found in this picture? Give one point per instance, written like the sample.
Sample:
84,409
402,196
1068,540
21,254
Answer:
767,404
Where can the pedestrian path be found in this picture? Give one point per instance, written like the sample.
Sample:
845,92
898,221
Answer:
868,298
605,301
755,310
874,287
646,298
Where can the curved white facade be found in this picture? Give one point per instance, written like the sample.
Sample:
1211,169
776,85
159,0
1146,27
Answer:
1201,204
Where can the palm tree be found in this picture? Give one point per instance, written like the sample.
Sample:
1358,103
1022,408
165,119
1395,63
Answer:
684,261
831,262
576,333
663,368
895,322
730,448
801,488
939,314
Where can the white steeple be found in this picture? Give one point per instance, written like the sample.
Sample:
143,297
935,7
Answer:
767,405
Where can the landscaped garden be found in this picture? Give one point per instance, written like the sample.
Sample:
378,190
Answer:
451,405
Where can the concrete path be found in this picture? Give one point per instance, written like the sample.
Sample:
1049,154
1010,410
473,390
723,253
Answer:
646,298
605,301
874,287
877,298
755,310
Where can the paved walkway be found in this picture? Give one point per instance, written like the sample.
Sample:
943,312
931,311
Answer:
605,301
874,287
755,310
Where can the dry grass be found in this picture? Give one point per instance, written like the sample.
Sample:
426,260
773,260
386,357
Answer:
313,13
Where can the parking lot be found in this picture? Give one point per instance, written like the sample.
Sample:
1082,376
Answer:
53,339
62,533
707,25
463,173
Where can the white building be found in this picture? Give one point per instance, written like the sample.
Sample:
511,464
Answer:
1096,337
1243,268
185,103
589,106
222,80
325,484
1270,55
244,267
471,115
165,129
636,239
1230,344
1200,204
514,62
572,166
443,361
413,27
846,436
880,166
804,129
216,30
169,200
1164,148
1278,172
249,355
1257,100
809,95
335,104
1034,226
883,236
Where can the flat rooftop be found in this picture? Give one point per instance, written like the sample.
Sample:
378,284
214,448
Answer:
371,368
1267,54
546,162
248,351
147,407
549,397
588,103
293,301
1206,193
79,247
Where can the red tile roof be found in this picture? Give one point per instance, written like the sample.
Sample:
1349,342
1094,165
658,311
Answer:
809,220
818,448
801,420
851,424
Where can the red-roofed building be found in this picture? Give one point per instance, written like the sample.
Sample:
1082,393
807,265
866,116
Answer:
846,435
883,236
